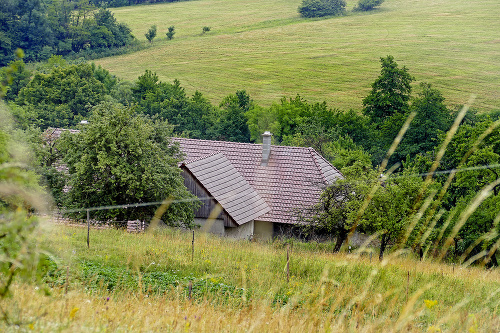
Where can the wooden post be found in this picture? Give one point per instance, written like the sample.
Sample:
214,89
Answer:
407,286
88,228
287,263
371,257
67,280
192,248
190,289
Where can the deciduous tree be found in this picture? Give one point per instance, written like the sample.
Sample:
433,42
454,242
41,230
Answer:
390,92
63,97
319,8
151,34
121,158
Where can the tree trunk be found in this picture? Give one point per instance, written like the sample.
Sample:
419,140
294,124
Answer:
455,251
341,237
383,245
493,261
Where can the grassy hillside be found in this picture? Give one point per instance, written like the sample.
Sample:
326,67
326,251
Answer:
140,282
266,48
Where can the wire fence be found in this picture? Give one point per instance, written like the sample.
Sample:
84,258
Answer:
155,203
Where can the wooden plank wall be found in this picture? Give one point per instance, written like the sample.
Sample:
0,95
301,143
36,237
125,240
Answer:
208,205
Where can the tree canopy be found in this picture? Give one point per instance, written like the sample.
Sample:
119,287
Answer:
319,8
390,92
64,96
123,158
43,28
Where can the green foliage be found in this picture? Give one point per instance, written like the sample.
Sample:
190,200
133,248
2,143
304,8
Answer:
25,25
392,208
151,34
474,171
284,118
476,162
231,124
335,213
122,3
432,119
122,158
99,276
365,5
320,8
42,28
296,122
205,29
351,159
171,32
105,77
14,77
481,231
390,92
20,197
65,96
193,117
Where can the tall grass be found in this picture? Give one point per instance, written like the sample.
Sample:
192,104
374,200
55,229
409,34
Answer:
326,292
267,49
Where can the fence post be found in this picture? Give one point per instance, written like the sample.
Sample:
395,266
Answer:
88,228
67,281
288,263
190,289
192,248
407,286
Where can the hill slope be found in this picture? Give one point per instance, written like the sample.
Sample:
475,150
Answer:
265,48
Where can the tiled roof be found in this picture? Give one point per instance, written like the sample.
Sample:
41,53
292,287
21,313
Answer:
292,180
51,134
228,187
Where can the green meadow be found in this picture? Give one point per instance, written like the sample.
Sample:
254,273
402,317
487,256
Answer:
265,48
157,282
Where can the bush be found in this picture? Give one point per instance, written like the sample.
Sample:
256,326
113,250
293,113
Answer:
151,34
171,32
206,29
319,8
365,5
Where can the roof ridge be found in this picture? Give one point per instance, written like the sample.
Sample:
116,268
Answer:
220,141
201,157
324,159
312,150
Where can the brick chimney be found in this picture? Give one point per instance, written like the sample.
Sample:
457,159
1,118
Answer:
266,147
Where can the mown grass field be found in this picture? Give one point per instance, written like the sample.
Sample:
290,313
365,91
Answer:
265,48
140,283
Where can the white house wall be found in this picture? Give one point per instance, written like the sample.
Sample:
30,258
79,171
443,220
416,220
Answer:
244,231
212,226
263,231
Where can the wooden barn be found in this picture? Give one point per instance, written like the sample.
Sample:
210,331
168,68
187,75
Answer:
261,188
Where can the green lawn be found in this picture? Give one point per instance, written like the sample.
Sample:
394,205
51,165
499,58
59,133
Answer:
265,48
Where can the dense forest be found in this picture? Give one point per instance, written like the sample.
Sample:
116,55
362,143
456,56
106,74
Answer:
461,150
120,3
42,28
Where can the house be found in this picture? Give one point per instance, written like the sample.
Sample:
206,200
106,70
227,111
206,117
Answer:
261,188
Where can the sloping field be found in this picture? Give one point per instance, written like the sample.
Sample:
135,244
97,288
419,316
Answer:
141,283
264,47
